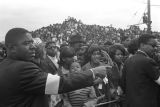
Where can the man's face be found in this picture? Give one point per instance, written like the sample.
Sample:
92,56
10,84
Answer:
77,46
52,49
24,48
150,47
82,49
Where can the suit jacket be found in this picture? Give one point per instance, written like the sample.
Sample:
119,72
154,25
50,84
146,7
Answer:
138,81
48,66
22,84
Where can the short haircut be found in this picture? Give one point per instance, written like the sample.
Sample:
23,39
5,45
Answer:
145,38
67,51
133,46
13,35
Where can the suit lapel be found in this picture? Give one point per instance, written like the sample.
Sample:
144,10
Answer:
51,64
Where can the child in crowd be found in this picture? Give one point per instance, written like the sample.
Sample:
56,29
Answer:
82,97
75,67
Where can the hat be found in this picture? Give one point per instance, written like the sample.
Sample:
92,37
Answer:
108,43
76,38
67,51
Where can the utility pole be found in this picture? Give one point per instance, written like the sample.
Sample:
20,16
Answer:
149,17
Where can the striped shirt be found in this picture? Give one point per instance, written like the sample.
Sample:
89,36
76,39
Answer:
77,98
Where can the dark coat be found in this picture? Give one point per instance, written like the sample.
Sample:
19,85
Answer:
48,66
138,81
22,84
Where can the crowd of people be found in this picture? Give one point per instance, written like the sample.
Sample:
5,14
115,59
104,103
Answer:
77,65
91,33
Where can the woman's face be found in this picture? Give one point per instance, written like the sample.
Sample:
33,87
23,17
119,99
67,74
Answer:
95,57
81,55
118,57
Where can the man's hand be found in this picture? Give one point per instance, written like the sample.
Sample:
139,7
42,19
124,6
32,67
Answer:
101,71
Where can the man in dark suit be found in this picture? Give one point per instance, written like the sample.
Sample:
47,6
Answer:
50,63
24,84
141,75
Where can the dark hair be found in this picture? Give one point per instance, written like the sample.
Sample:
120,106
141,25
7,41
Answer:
13,35
108,43
114,48
92,49
65,52
133,46
63,45
145,38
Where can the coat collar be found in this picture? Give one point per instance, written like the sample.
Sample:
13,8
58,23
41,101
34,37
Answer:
142,53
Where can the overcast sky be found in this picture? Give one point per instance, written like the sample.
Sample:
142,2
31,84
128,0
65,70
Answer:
34,14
